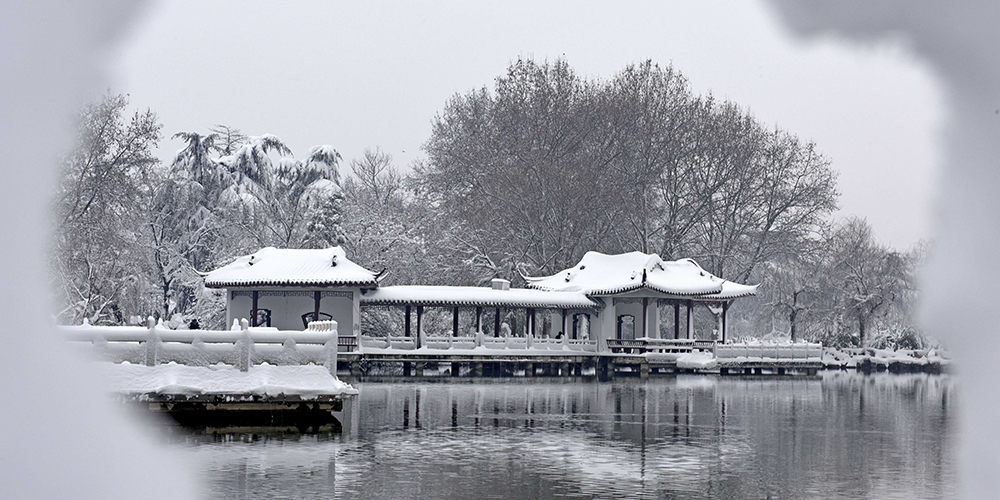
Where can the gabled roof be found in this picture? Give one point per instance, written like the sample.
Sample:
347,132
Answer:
599,274
445,296
325,267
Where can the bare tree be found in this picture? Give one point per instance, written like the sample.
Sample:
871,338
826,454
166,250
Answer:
524,169
377,180
97,250
228,139
796,289
872,278
549,165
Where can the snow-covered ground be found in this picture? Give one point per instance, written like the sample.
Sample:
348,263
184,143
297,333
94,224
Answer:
307,381
851,358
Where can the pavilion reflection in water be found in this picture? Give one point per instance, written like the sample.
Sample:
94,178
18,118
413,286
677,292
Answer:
843,436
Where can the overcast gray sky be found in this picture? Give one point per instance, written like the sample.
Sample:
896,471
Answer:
364,74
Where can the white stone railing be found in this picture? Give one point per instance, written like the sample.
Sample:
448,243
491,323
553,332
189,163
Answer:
243,346
803,351
495,342
581,345
471,342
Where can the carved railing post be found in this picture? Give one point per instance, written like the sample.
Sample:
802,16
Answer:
152,342
245,348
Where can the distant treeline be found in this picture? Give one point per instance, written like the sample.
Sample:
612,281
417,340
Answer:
520,178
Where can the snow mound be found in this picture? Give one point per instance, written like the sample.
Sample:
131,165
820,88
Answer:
307,381
699,360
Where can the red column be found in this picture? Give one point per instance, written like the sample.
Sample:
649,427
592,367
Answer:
677,320
725,311
420,315
690,325
316,299
645,304
253,309
564,332
406,322
496,323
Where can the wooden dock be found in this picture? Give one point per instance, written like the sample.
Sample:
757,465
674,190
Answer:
224,413
602,366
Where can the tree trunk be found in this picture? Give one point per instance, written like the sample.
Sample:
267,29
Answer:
791,321
861,330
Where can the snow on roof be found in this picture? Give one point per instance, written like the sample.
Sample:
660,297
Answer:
731,290
443,296
601,274
292,267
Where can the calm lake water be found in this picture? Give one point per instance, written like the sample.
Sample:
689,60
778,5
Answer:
843,435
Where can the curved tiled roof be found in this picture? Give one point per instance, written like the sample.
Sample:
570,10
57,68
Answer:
598,274
325,267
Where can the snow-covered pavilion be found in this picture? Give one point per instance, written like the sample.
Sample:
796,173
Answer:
632,286
288,288
602,297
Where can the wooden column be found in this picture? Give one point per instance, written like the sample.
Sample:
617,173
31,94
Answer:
690,325
645,305
406,322
677,320
316,299
479,319
454,322
530,320
253,308
564,332
420,315
725,312
496,323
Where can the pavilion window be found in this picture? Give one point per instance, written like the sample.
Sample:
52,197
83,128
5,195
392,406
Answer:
309,317
581,326
263,317
626,327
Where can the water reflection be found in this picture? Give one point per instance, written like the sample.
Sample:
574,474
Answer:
842,436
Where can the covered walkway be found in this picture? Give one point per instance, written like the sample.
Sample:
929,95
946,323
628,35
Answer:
493,310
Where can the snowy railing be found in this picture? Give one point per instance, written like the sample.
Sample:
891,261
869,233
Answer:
644,345
581,345
804,351
242,346
448,342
